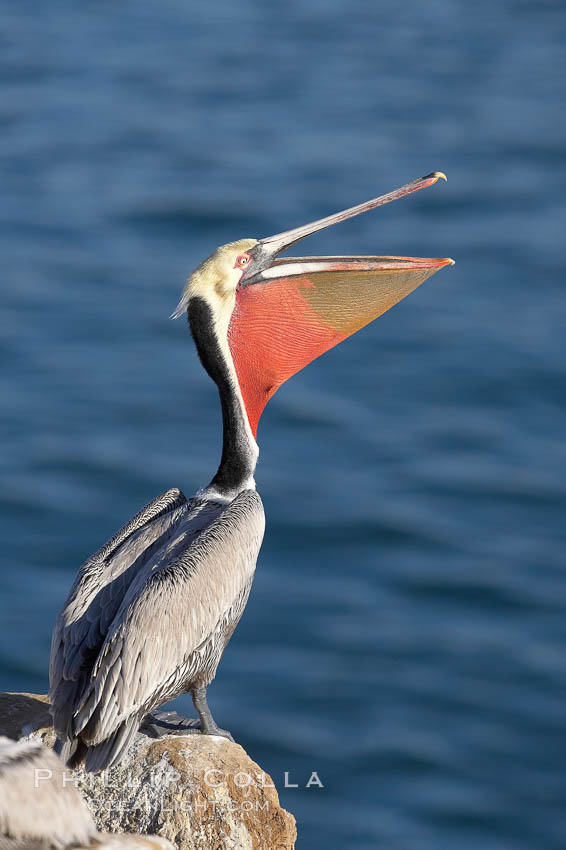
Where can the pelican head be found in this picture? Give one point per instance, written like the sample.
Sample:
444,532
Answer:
268,316
216,278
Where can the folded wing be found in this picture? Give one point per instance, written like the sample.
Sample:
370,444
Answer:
170,629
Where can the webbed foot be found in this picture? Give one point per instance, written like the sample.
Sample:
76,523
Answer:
161,723
158,724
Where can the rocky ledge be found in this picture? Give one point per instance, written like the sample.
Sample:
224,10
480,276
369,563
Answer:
197,791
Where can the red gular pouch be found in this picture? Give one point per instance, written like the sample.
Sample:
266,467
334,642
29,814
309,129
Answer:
303,307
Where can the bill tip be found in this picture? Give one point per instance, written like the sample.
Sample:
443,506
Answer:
436,175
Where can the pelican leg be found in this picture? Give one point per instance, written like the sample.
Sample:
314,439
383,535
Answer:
208,724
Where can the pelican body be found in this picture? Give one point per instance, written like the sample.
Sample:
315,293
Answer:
149,615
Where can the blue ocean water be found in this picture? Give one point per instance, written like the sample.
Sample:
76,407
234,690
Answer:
406,633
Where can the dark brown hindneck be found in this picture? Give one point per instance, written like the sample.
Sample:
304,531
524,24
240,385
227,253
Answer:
239,450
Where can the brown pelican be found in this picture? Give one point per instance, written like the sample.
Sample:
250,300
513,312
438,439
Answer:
149,615
39,807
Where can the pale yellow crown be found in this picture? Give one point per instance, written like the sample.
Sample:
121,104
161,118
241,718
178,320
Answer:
216,278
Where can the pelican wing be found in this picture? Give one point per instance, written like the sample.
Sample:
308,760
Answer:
175,619
95,597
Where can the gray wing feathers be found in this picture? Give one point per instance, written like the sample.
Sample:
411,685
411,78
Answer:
111,750
95,597
168,615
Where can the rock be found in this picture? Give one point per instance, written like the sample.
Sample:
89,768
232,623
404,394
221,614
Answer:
21,714
197,791
107,841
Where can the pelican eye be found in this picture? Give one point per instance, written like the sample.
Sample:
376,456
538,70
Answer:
242,261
